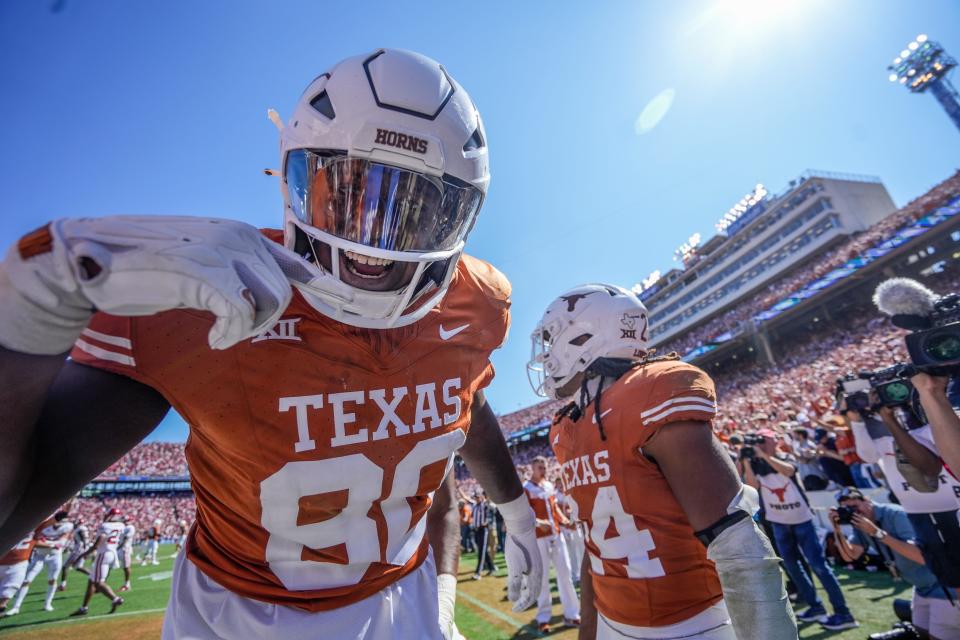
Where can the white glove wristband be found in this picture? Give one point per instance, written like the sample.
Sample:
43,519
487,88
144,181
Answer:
518,515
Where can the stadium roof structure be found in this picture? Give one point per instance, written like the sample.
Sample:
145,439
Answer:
739,217
768,238
940,225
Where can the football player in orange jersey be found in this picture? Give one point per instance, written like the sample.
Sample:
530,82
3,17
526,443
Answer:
324,417
672,549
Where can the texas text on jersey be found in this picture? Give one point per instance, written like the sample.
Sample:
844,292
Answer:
315,447
648,569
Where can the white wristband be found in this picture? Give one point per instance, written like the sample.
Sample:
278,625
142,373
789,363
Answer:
446,599
518,514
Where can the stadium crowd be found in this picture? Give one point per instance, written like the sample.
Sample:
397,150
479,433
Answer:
142,511
796,279
156,459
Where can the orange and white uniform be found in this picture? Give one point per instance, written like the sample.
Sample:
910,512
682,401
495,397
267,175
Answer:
553,550
314,451
13,567
651,577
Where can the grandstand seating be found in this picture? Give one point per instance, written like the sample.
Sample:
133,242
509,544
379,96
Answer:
152,459
142,510
796,279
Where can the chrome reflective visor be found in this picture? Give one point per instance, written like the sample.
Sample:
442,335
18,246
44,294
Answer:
378,205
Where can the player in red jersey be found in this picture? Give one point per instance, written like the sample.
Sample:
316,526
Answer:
106,545
672,550
323,418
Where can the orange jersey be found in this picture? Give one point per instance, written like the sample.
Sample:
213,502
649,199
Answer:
20,553
648,569
315,447
846,446
543,500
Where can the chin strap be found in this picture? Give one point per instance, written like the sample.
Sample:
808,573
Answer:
601,370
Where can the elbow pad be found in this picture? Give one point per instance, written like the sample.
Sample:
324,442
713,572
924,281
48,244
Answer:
753,590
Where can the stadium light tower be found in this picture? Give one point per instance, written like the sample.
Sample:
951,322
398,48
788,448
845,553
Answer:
924,65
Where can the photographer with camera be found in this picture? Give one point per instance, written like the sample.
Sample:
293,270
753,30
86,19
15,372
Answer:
887,528
934,348
907,458
786,508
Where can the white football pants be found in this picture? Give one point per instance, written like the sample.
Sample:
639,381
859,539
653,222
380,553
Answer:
553,550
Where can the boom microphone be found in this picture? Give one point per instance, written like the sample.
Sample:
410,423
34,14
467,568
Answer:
908,303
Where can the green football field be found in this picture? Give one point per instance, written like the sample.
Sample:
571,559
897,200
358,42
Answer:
482,610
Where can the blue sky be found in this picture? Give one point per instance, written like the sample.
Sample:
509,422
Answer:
114,106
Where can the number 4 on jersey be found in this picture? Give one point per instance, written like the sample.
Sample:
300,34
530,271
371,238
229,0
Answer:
614,533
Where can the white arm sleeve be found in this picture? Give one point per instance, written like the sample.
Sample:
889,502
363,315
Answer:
753,590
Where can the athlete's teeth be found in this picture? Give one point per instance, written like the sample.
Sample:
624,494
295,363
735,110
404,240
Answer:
356,257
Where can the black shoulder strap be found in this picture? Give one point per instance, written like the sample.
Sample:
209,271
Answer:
799,487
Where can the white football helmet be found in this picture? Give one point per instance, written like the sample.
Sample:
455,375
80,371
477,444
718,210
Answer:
384,172
584,324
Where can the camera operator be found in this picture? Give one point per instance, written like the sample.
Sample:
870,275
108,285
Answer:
942,417
774,475
887,528
932,510
934,347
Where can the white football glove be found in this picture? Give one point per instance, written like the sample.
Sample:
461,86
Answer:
54,279
524,567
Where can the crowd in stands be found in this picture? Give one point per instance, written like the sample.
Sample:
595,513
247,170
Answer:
159,459
796,279
142,511
528,417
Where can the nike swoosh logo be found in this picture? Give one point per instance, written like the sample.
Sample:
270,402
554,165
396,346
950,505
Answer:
601,415
446,335
556,439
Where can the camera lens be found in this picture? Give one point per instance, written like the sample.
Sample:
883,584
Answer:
943,347
897,392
